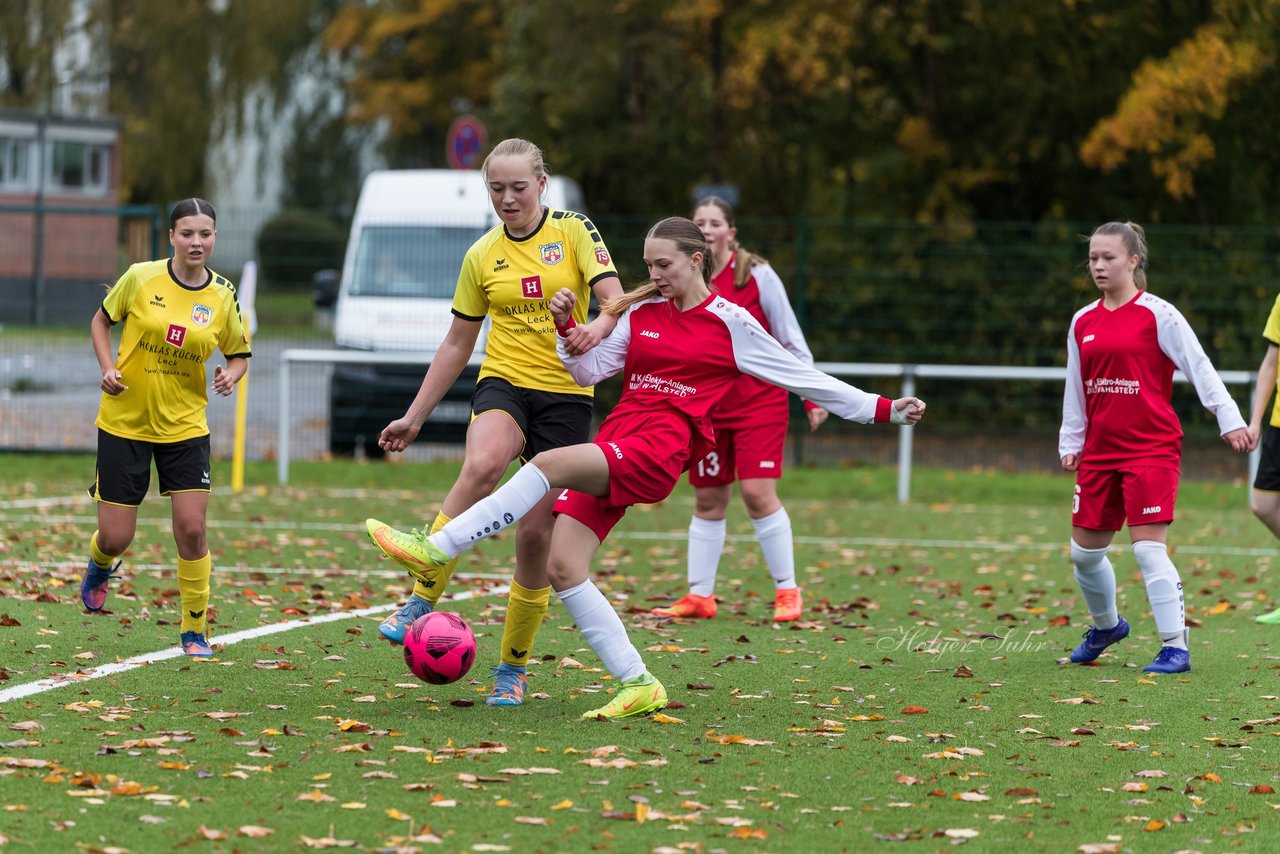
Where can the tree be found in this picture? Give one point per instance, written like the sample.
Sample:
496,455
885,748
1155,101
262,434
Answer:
181,70
1180,108
417,65
30,31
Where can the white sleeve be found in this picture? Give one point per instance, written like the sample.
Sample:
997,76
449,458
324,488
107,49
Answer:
1179,343
1074,419
603,360
757,353
777,308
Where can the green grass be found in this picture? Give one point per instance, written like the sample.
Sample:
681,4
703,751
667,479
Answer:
804,738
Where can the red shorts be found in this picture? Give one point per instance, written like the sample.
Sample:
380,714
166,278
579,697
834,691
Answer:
741,453
1106,500
646,455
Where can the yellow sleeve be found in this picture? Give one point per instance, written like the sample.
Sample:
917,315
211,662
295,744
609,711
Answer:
469,297
233,338
120,298
594,262
1271,331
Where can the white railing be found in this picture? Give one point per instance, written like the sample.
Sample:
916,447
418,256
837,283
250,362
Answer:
908,373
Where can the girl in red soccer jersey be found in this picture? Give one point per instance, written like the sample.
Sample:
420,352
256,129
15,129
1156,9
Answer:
154,397
525,402
1124,441
680,348
751,430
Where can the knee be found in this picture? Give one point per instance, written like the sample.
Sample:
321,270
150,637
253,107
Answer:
114,543
1087,559
484,470
192,537
1263,507
761,501
563,574
711,502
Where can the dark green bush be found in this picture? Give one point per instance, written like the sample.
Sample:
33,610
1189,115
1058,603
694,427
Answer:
294,244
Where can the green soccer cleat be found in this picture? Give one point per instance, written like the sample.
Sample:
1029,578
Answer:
1269,619
411,549
643,695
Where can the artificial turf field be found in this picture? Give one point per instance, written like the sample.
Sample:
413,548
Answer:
921,700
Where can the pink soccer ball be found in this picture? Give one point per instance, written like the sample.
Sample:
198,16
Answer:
440,648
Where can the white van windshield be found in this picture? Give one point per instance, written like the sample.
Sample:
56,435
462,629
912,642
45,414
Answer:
410,260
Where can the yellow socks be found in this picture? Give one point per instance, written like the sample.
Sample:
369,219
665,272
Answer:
100,559
525,611
193,585
432,594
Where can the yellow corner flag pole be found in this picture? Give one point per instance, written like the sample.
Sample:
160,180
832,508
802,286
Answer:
247,291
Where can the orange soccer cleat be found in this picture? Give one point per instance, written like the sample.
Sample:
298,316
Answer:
787,605
689,605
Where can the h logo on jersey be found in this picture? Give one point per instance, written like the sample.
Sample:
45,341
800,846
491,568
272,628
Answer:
176,335
201,315
552,252
531,287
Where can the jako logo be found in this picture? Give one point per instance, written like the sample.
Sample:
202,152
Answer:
617,452
649,333
1147,511
1087,339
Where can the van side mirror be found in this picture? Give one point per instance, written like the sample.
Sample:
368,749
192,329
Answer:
324,288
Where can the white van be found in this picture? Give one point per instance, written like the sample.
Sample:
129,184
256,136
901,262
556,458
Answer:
410,231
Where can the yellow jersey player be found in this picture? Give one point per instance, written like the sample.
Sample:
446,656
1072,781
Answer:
525,401
176,312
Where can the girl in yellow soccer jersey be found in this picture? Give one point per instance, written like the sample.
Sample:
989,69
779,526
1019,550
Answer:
176,311
525,401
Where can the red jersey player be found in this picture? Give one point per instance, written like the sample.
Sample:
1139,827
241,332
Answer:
751,431
1124,441
680,348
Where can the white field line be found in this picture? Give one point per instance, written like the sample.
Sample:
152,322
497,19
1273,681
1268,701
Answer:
159,568
881,542
48,684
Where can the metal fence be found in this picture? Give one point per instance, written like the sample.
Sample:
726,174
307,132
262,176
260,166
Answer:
993,295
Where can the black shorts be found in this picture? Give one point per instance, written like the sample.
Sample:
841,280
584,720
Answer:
1268,477
123,472
547,419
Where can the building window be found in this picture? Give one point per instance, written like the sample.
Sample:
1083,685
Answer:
78,167
15,164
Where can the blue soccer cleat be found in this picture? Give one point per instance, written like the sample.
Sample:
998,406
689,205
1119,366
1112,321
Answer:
395,627
509,684
195,645
94,586
1096,640
1170,659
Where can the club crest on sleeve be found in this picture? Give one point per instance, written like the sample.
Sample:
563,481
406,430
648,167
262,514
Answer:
201,315
531,287
602,256
552,253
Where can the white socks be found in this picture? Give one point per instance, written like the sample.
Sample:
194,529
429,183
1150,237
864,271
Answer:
603,629
1164,592
773,532
706,542
490,515
1097,580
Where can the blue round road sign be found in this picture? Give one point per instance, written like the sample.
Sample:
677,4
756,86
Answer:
466,143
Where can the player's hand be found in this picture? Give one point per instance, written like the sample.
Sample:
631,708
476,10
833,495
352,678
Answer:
398,435
816,416
111,382
906,410
561,306
1240,440
580,339
223,382
1071,462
